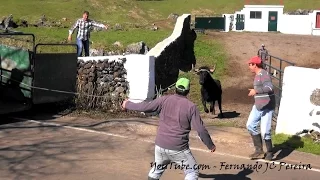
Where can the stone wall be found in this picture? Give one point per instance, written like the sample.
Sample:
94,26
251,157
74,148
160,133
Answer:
104,80
109,79
174,53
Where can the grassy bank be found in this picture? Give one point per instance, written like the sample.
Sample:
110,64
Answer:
302,144
102,39
132,11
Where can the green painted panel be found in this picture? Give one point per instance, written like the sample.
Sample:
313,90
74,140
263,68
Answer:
13,59
210,23
240,22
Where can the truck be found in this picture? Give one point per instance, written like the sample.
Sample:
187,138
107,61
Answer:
31,76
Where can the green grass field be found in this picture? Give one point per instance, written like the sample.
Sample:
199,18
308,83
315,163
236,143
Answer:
120,11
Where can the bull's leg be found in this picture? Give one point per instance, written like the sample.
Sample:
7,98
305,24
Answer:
205,106
212,103
219,102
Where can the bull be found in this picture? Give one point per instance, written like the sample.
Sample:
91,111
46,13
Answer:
211,90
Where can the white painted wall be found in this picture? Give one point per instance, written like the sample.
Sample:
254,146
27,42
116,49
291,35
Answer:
300,24
228,21
316,32
295,105
259,25
140,74
296,24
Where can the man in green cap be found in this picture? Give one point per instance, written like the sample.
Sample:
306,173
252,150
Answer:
177,115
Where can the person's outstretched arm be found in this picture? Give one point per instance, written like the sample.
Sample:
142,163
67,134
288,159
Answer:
197,124
151,106
94,23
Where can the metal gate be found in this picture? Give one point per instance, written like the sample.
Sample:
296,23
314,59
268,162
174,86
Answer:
218,23
30,75
275,66
54,71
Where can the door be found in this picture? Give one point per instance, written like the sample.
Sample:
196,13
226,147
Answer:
273,21
240,22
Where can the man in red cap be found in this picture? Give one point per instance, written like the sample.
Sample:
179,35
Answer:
262,110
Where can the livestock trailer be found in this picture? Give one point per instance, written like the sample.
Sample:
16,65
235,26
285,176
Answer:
30,77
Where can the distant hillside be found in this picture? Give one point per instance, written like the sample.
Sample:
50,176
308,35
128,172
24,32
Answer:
132,11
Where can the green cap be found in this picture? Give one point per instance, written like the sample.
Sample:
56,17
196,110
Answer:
183,82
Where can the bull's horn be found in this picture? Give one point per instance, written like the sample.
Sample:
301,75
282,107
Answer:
213,69
193,67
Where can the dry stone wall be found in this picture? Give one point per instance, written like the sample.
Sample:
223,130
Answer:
174,53
101,83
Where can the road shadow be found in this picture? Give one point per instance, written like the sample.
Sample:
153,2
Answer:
287,147
49,151
228,115
242,175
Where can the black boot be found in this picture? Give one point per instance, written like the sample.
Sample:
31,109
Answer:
269,154
257,142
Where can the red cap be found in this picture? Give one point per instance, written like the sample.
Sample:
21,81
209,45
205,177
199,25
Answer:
255,60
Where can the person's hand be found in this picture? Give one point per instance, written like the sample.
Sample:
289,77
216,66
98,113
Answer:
124,104
213,149
69,38
106,26
252,92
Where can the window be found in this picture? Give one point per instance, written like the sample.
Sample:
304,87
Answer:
255,14
318,20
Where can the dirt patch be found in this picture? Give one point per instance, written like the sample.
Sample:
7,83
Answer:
236,95
299,49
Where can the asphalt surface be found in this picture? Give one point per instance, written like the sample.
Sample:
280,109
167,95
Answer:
31,150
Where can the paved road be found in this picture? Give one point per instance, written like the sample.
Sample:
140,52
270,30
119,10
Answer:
29,150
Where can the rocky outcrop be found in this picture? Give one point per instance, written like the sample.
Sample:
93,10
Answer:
300,12
134,48
315,97
174,53
137,48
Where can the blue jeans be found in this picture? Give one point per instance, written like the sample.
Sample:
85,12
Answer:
83,44
254,119
170,159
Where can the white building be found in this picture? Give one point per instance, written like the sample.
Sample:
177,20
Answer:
267,18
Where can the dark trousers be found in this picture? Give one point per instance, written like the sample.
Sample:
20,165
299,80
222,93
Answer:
83,44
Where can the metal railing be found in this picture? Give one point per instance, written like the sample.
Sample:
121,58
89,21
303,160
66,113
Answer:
275,67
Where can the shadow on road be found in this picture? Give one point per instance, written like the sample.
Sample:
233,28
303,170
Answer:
287,147
242,175
229,115
39,151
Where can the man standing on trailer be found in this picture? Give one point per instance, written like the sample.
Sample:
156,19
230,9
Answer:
84,25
